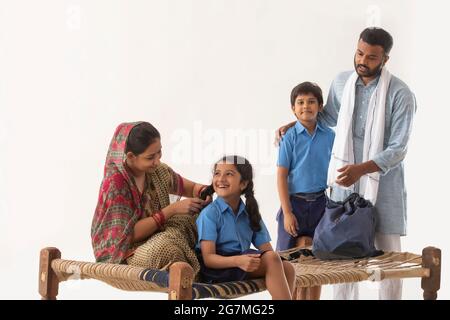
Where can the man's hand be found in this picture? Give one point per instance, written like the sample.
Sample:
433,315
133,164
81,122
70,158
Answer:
279,133
353,172
350,174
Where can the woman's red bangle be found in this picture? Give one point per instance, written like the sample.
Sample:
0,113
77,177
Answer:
158,224
159,218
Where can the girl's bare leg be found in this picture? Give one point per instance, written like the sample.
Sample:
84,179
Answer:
271,268
289,273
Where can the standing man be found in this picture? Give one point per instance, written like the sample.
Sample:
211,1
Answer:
373,113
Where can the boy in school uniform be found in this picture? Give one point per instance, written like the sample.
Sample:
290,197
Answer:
303,159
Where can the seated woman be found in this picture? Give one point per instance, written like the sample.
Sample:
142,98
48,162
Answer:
134,222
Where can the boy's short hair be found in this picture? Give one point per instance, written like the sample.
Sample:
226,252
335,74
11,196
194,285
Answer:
305,88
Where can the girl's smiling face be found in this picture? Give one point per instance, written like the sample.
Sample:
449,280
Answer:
227,180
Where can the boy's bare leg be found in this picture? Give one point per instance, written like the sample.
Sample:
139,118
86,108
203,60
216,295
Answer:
312,293
272,269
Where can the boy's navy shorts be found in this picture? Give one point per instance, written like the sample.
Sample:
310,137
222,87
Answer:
308,214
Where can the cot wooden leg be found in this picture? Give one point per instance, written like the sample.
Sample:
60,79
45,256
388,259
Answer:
431,259
181,276
48,281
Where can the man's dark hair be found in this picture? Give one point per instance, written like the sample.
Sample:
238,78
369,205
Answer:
305,88
377,37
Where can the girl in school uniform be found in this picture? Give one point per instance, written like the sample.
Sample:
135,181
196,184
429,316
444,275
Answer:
228,226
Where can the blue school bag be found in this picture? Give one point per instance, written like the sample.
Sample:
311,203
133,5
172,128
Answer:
346,230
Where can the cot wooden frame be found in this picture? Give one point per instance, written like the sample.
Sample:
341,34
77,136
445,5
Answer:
53,270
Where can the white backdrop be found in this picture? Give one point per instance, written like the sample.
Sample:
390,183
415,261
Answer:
213,76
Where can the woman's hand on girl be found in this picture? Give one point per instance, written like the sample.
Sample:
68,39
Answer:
207,201
248,262
188,206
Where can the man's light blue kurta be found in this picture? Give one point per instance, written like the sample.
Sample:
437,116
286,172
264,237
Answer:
400,109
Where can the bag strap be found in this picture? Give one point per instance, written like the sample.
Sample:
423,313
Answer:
354,197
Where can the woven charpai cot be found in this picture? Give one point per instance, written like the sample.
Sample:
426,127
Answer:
309,272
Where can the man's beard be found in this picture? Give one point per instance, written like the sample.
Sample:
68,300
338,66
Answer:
368,73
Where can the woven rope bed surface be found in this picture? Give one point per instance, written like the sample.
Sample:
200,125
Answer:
309,270
314,272
139,279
